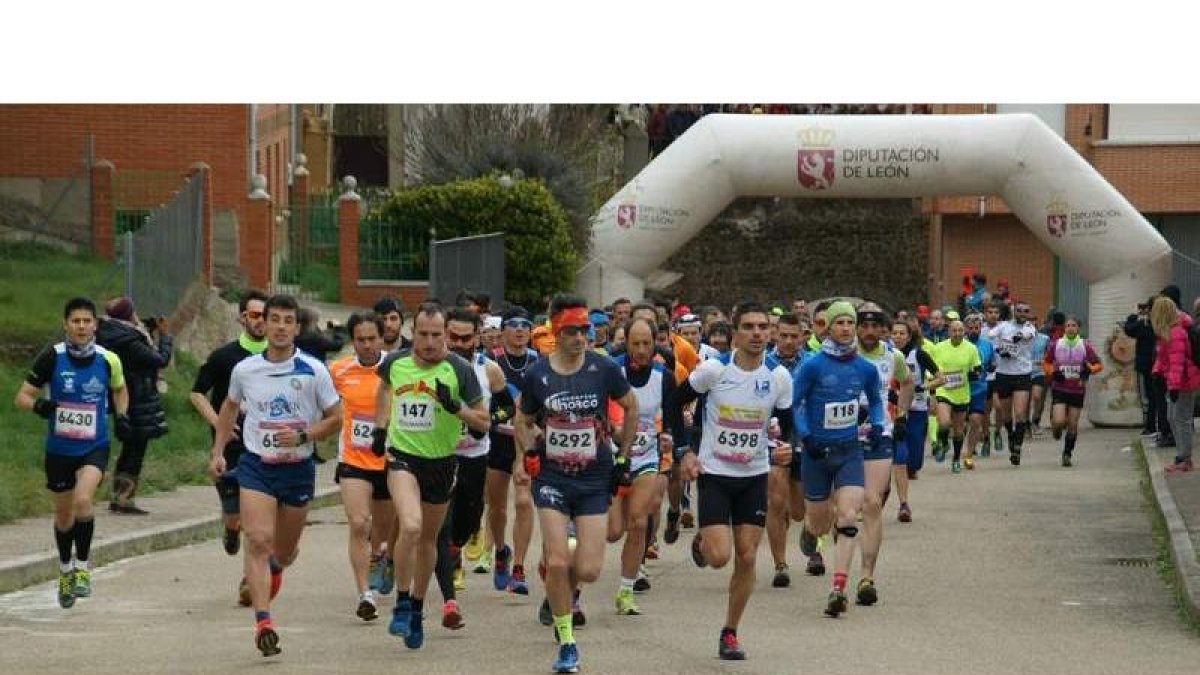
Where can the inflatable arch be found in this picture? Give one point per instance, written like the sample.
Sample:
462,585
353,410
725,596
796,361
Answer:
1050,188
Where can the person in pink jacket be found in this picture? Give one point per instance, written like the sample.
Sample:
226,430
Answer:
1174,364
1068,363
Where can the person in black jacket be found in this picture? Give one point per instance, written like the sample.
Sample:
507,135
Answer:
1154,414
143,352
314,341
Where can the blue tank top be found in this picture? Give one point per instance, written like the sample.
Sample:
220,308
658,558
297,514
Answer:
80,424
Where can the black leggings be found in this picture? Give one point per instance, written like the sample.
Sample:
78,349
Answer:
462,519
133,453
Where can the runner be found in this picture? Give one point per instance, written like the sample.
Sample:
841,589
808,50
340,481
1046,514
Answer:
79,375
1037,397
389,309
873,327
980,390
489,336
743,391
785,491
562,428
466,502
514,359
1069,362
361,475
992,438
826,414
958,361
651,459
1014,345
213,381
290,403
425,396
688,327
910,448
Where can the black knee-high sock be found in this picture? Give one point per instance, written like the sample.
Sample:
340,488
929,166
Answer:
1019,435
958,443
943,437
1069,444
64,539
83,538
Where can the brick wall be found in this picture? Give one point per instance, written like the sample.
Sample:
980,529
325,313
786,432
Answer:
1001,247
274,151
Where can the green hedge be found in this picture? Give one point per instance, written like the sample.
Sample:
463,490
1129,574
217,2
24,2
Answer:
539,257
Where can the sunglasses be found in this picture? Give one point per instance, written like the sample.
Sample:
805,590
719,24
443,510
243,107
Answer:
518,323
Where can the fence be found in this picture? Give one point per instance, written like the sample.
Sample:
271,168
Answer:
162,247
389,251
308,262
475,263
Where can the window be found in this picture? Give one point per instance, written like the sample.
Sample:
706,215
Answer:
1147,123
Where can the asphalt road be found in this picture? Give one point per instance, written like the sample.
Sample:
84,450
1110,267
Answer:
1030,570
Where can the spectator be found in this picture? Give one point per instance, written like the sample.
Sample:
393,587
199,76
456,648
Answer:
143,350
1173,362
312,340
1154,413
656,128
923,319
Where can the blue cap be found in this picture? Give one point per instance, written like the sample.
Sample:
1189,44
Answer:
598,317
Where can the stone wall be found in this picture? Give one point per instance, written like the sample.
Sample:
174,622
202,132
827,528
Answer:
775,249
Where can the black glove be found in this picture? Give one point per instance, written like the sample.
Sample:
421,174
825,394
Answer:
812,448
44,408
477,435
446,399
379,441
900,427
501,415
124,429
1174,395
620,474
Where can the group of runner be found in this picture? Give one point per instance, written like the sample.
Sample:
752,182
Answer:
759,420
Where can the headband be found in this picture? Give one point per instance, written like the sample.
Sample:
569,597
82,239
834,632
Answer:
572,316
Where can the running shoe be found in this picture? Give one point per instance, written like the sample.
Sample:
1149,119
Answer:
401,618
729,649
545,615
578,618
244,598
808,542
568,659
939,453
905,513
697,554
1057,433
66,589
368,610
782,578
1066,459
460,580
451,616
265,638
985,449
232,541
969,463
626,605
375,573
956,466
276,582
516,582
500,575
474,547
1014,457
671,533
1037,430
686,521
815,566
83,584
652,552
836,605
416,633
999,442
1180,466
389,577
867,595
642,583
484,564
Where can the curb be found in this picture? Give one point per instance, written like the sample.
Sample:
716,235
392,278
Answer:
38,567
1187,567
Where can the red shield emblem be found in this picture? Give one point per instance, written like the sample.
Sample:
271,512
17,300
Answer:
815,169
1056,224
627,215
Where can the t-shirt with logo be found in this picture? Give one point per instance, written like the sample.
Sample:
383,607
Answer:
1014,348
418,424
956,363
79,424
738,407
358,386
827,398
469,446
291,394
572,411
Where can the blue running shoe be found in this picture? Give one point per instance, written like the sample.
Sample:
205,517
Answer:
500,573
416,634
401,618
375,574
568,659
389,578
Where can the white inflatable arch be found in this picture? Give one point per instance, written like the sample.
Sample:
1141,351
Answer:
1054,192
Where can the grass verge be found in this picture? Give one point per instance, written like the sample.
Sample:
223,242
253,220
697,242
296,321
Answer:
1164,563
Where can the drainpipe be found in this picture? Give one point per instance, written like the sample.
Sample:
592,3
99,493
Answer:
251,167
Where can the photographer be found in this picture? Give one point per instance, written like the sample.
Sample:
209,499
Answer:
316,342
1154,409
144,349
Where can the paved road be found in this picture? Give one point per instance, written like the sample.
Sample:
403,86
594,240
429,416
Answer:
1003,571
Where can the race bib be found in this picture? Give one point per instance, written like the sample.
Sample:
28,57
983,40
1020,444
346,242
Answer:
571,442
955,380
268,440
76,421
413,413
841,415
739,440
921,399
1070,371
361,428
646,441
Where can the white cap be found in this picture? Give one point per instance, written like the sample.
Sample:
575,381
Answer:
491,322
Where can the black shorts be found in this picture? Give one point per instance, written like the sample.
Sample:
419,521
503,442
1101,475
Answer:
1007,384
377,479
435,477
502,453
1067,399
960,408
725,500
60,469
